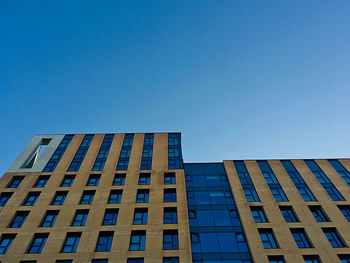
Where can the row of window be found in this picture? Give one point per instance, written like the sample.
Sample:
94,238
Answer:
289,214
301,238
308,259
105,260
115,196
93,180
110,217
104,241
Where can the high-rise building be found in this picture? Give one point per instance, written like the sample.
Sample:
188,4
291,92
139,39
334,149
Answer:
129,198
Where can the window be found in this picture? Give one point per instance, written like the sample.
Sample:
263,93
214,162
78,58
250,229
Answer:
137,240
80,154
80,217
341,170
144,178
171,260
267,238
135,260
15,182
49,218
4,197
147,151
345,209
142,196
276,259
28,261
19,219
31,198
94,180
59,198
318,213
111,217
279,195
100,260
103,153
42,181
333,237
125,152
301,238
246,182
258,214
140,216
64,261
170,215
38,243
169,195
169,178
251,195
67,180
119,179
311,259
344,258
5,242
87,197
115,196
56,157
289,214
104,242
170,239
71,243
174,151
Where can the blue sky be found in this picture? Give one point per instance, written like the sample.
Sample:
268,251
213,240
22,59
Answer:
239,79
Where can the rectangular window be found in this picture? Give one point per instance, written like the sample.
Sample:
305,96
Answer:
59,198
169,195
171,260
19,219
135,260
15,182
169,178
125,152
144,178
311,259
137,240
80,217
93,180
147,152
289,214
111,216
276,259
333,237
174,151
300,237
71,243
142,196
344,258
258,214
170,239
56,157
267,238
104,241
67,180
100,260
341,170
324,181
170,215
246,182
119,179
80,155
42,181
318,213
87,197
5,242
140,216
115,196
31,198
4,197
272,182
103,153
345,209
49,218
38,243
298,181
64,261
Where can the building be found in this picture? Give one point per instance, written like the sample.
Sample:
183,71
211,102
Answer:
129,198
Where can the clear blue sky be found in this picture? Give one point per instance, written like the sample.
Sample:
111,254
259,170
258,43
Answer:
239,79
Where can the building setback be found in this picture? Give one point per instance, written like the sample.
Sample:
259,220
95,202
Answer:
129,198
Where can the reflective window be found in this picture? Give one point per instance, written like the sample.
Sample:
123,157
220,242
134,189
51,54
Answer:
49,218
171,260
144,178
4,197
344,258
71,243
31,198
146,161
137,240
267,238
5,242
103,153
300,237
125,152
93,180
142,196
56,157
104,241
174,151
345,209
169,195
67,180
87,197
100,260
42,181
170,239
289,214
276,259
111,216
15,181
38,243
170,215
341,170
311,259
318,213
119,179
169,178
115,196
59,198
246,182
333,237
19,219
135,260
258,214
81,152
80,217
140,216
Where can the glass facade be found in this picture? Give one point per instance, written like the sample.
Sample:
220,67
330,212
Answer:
216,230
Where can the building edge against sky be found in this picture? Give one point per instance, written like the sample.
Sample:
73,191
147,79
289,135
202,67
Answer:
130,198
